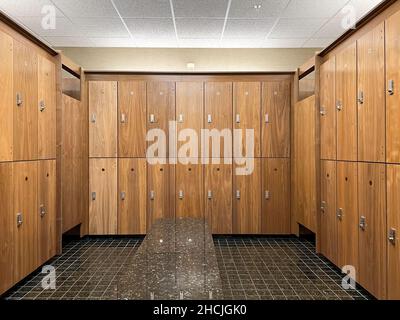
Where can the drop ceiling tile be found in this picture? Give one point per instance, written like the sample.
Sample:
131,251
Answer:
113,42
283,43
333,29
69,41
296,28
199,28
151,28
244,9
86,8
144,8
248,28
156,43
63,27
29,8
199,43
318,43
200,8
101,27
362,7
240,43
313,8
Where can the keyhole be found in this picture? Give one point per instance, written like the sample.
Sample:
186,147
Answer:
328,175
48,175
26,178
190,169
103,169
276,169
132,169
218,169
370,183
161,169
347,179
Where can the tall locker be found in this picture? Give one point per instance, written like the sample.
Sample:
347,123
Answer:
218,198
25,74
103,204
47,210
247,113
247,200
371,95
132,119
328,224
372,228
47,96
275,215
275,139
103,98
132,196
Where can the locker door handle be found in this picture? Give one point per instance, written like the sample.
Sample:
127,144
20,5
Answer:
238,194
267,195
339,213
238,118
266,118
123,118
322,111
152,118
209,118
42,106
42,211
339,106
323,206
210,195
93,196
180,118
19,219
152,195
94,118
123,196
19,99
181,195
363,223
391,87
392,236
361,97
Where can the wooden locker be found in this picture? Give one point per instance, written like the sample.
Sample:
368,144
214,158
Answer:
393,226
160,192
103,204
247,199
371,95
218,198
247,112
25,124
103,119
189,190
6,97
346,90
276,123
132,119
132,196
25,218
7,226
328,224
275,215
328,110
393,82
160,108
373,230
46,210
47,103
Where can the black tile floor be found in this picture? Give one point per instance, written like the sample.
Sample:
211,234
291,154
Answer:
250,268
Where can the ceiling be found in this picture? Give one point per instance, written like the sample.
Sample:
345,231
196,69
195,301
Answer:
189,23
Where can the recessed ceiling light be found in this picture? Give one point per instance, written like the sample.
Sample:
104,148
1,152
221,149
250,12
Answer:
257,6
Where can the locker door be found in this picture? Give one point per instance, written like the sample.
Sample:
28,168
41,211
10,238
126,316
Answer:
103,196
372,234
247,201
393,225
328,110
347,214
189,191
47,108
393,81
371,99
275,216
160,192
328,230
7,226
160,107
218,197
132,119
46,210
25,75
103,119
247,111
346,90
6,97
132,196
276,122
25,219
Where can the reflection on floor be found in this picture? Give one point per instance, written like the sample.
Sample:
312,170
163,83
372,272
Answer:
250,268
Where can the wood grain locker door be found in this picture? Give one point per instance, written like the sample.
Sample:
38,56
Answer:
6,97
346,90
393,85
347,210
393,225
47,104
47,210
160,108
26,212
276,123
103,204
218,197
103,119
132,119
371,100
7,226
132,196
328,223
160,192
275,216
25,129
218,110
247,112
373,230
328,110
247,200
189,190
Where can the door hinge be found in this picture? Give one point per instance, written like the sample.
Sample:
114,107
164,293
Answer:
339,105
267,195
152,118
42,211
363,223
181,195
339,213
322,111
42,106
19,99
210,195
238,194
238,118
209,118
391,87
93,118
19,219
123,195
180,118
392,236
93,196
152,195
123,118
323,206
360,97
266,118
